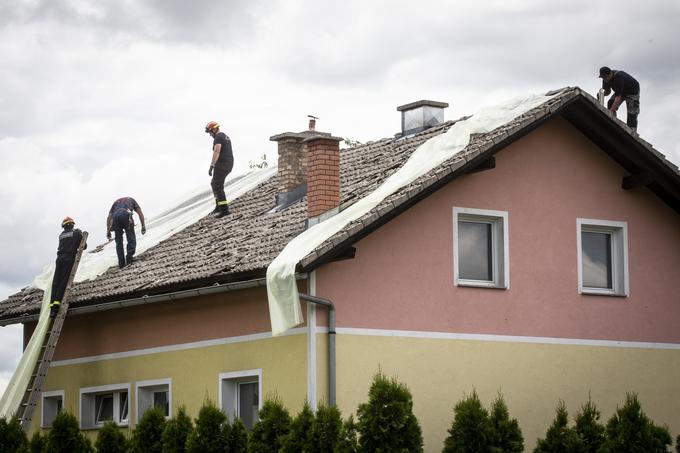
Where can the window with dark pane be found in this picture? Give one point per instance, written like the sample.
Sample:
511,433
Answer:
104,408
597,259
248,403
123,412
160,400
475,252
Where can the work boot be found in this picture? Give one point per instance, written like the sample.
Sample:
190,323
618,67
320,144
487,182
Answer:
129,260
224,210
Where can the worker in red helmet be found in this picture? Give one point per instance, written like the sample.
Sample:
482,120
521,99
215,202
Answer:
69,240
220,166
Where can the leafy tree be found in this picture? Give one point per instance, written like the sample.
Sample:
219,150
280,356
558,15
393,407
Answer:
261,164
176,432
65,436
37,443
506,435
238,437
471,429
148,434
110,439
299,438
677,444
559,438
630,430
588,427
326,429
208,434
386,422
270,430
348,441
12,437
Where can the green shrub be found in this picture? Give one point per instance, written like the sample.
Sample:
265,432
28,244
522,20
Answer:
148,434
12,437
349,437
110,439
176,432
270,430
559,438
65,436
208,434
630,430
299,438
386,423
238,437
506,435
37,443
326,429
677,444
588,427
471,429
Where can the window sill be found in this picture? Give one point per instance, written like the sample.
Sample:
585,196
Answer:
98,427
479,284
600,292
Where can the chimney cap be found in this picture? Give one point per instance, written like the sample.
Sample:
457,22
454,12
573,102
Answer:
295,135
421,103
322,135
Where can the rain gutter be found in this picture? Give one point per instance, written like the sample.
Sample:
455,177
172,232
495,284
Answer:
331,342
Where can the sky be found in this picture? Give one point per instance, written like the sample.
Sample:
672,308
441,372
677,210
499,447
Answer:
103,99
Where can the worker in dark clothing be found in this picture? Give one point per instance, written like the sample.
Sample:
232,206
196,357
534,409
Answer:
220,166
69,240
625,88
120,221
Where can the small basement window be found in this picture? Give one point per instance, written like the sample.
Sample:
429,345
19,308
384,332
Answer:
602,257
156,393
52,405
101,404
240,395
480,248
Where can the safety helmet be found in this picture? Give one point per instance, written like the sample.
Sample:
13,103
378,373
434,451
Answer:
212,126
66,221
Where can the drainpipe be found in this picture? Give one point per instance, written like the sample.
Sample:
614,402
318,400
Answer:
331,342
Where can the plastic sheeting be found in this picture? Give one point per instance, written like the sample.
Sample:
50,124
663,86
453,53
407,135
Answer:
284,306
96,262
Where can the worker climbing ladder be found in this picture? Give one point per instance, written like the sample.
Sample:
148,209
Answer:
42,366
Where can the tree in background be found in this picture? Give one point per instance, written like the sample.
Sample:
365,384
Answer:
238,437
349,437
12,437
37,443
506,435
176,432
559,438
261,164
272,427
110,439
326,428
588,427
65,436
208,434
148,435
299,438
471,429
386,422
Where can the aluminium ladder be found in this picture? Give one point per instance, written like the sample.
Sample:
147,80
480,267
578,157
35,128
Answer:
35,384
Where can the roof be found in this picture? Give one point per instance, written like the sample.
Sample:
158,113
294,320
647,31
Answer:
240,246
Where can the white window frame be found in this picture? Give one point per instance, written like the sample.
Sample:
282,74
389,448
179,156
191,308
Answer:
499,245
619,249
53,394
88,398
239,377
144,385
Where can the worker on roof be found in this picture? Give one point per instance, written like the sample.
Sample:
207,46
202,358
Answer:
120,221
69,240
220,166
625,88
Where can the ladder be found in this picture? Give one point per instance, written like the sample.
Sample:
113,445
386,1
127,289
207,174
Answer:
35,384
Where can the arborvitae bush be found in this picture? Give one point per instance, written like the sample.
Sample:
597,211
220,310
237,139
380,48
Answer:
65,436
677,444
630,430
299,438
272,427
176,432
12,437
559,438
148,434
588,427
37,443
238,437
506,435
348,441
110,439
207,436
326,429
471,429
386,422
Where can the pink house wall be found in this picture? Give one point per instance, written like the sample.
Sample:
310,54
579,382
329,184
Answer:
402,275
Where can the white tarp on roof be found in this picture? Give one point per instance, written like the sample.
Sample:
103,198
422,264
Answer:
193,208
284,305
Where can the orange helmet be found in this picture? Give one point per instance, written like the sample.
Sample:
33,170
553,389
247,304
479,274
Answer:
212,126
66,221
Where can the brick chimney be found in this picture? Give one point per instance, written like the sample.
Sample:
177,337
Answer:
292,161
323,174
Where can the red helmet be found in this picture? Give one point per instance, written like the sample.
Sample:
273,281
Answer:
66,221
212,126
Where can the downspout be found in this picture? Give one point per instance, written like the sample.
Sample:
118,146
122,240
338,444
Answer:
331,342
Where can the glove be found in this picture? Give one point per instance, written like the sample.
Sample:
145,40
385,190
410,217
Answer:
143,229
108,235
210,171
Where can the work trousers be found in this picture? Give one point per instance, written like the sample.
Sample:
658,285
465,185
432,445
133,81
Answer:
62,271
123,223
632,109
217,183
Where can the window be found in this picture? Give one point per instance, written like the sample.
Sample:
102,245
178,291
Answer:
52,404
602,257
480,248
240,395
154,393
101,404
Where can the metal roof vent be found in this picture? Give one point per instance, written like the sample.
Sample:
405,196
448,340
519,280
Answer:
420,115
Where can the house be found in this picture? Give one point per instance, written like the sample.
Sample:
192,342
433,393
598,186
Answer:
540,261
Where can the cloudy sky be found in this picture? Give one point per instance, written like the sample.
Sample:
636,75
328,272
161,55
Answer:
101,99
